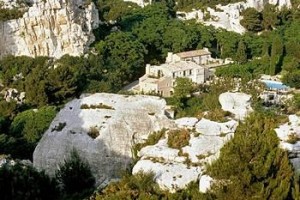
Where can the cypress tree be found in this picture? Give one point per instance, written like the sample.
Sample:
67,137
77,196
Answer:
241,55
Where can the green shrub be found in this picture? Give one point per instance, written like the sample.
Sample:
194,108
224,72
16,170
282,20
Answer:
138,186
32,124
8,14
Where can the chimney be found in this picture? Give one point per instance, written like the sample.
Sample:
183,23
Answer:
169,57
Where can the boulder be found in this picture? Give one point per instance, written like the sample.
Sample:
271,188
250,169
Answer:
169,176
102,128
50,28
175,168
205,183
205,149
186,122
12,94
208,127
141,3
161,152
289,136
237,103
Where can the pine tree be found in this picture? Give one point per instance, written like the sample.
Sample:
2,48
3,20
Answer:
276,55
251,165
75,175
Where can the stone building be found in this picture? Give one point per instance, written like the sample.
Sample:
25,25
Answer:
160,79
200,56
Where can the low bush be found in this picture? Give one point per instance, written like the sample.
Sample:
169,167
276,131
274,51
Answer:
218,115
93,132
99,106
59,127
178,138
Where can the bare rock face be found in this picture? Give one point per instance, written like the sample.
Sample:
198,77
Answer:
102,128
50,28
173,168
237,103
141,3
289,136
228,16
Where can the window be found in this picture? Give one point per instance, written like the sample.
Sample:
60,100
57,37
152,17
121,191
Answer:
183,73
190,72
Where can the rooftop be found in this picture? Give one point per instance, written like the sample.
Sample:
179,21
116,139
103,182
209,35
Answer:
182,65
199,52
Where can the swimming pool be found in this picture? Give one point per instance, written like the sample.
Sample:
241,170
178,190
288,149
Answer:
275,85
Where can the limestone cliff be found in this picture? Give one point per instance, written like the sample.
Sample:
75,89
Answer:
228,16
50,28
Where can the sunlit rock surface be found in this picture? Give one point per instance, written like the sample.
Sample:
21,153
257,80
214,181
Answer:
50,28
120,120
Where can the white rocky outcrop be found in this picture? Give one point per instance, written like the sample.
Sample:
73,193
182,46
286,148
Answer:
12,94
141,3
289,135
120,120
50,28
237,103
205,183
228,16
169,176
186,122
173,168
208,127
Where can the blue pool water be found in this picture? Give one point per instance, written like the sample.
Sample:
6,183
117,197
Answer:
275,85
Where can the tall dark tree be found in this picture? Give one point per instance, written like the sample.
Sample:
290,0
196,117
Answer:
123,59
276,55
252,20
75,176
270,17
241,54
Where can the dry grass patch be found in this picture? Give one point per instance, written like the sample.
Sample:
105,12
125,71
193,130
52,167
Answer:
99,106
93,132
218,115
178,138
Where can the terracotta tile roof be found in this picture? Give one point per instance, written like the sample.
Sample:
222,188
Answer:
188,54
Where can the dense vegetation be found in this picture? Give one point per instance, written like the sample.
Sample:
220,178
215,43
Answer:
20,180
251,165
136,37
